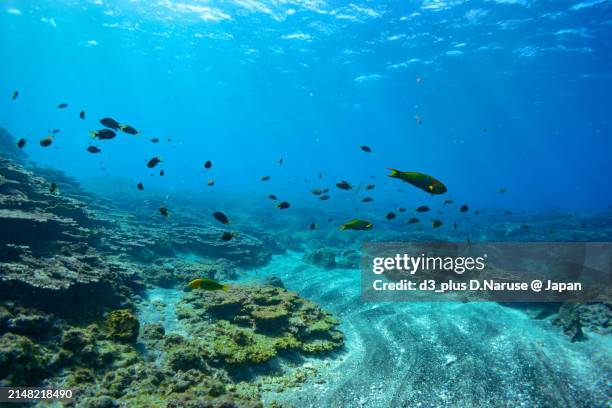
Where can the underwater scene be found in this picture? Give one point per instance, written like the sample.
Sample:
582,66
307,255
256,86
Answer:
187,188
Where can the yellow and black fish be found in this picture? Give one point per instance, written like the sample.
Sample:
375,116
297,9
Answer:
128,129
358,225
420,180
207,284
222,218
153,162
103,134
46,141
344,185
110,123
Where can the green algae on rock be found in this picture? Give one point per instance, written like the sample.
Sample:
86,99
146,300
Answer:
252,324
122,325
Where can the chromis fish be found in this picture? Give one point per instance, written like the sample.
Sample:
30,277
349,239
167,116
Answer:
344,185
128,129
154,140
93,149
502,190
210,183
324,197
313,226
153,162
103,134
390,216
423,181
272,197
464,208
110,123
370,187
208,164
367,199
284,205
265,178
21,143
448,201
161,172
366,149
207,284
164,211
422,209
222,218
15,95
436,223
316,191
412,220
46,141
401,209
358,225
53,188
227,236
62,106
82,114
139,186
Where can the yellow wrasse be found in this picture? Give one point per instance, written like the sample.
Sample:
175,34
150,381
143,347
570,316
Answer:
360,225
420,180
207,284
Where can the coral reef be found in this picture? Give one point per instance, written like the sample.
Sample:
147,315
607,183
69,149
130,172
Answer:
322,257
575,318
253,324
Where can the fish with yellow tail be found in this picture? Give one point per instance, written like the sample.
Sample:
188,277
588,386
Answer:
358,225
207,284
423,181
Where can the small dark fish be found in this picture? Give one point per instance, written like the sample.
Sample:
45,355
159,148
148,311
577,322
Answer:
284,205
208,164
525,227
164,211
367,199
227,236
436,223
313,226
272,197
324,197
343,185
401,209
320,175
154,140
110,123
139,186
447,201
485,130
153,162
222,218
366,149
21,143
330,219
55,131
455,225
464,208
93,149
502,190
15,95
390,216
46,141
52,188
477,212
128,129
316,191
210,183
280,161
82,114
103,134
422,209
62,106
161,172
509,212
265,178
370,187
325,190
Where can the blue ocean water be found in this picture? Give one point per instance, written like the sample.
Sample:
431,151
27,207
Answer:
510,94
507,102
